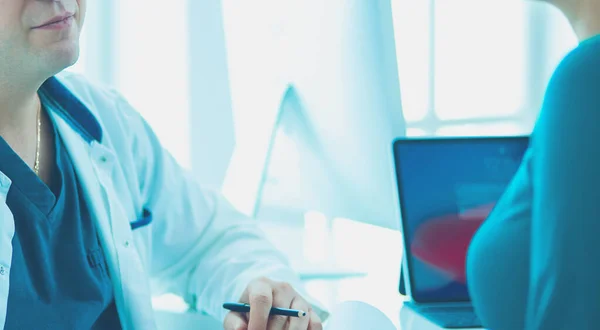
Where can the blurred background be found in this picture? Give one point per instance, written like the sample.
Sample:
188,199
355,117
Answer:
290,106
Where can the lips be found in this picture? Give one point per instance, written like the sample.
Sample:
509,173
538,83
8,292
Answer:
56,19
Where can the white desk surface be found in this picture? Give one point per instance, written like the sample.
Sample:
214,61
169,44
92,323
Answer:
357,262
404,320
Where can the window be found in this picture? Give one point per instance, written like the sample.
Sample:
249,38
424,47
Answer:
412,25
479,59
469,67
153,61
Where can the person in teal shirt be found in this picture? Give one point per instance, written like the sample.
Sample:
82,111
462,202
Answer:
535,262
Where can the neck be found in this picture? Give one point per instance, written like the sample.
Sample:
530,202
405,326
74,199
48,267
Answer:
584,16
18,104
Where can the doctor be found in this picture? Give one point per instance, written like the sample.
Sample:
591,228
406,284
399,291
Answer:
95,216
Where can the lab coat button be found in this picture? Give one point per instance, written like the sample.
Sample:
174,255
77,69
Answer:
3,270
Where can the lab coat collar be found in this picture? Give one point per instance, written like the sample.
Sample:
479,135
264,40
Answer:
71,109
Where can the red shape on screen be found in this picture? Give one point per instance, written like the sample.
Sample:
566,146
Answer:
443,242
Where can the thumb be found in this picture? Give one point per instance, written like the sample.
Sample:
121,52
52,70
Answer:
235,321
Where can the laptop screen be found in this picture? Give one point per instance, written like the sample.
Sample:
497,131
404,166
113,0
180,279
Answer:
447,187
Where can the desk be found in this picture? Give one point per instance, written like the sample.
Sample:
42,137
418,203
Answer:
350,254
403,319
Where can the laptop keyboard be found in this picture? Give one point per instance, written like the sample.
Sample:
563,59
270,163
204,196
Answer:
450,317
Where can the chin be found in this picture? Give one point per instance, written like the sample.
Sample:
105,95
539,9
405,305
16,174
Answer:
55,50
60,57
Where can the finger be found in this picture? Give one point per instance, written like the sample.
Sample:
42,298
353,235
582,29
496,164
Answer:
260,296
300,323
283,295
315,322
235,321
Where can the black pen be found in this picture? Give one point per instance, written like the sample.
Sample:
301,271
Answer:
245,308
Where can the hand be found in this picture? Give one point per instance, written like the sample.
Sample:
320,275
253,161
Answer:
262,294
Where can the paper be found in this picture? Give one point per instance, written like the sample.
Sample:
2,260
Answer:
357,315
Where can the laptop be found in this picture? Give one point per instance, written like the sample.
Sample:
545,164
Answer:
446,188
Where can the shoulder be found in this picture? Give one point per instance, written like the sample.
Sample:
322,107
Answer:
579,68
87,91
108,106
572,98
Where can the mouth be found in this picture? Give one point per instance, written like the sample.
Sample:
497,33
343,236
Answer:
62,20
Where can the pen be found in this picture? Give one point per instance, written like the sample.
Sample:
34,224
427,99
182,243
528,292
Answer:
245,308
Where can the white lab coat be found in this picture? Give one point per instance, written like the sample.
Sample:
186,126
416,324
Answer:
196,246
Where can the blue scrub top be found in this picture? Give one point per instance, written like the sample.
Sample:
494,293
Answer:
59,278
535,263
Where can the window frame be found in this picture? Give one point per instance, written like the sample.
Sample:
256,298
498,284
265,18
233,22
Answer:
536,65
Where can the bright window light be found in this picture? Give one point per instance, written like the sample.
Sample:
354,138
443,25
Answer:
412,31
480,53
153,68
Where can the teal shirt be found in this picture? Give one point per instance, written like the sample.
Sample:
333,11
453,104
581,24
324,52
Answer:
535,263
59,278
